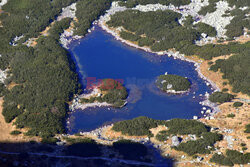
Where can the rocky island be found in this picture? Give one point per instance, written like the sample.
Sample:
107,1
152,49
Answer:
173,83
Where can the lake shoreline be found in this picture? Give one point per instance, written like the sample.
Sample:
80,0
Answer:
175,55
101,22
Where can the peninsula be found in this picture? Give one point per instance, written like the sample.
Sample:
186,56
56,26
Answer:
108,91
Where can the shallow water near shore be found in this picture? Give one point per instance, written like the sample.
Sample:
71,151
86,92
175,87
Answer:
99,55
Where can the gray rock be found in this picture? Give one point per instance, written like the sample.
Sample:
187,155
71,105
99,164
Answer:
199,159
175,141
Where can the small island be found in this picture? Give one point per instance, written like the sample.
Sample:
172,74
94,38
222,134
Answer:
108,91
173,83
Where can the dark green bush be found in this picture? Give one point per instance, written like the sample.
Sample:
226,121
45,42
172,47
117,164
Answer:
247,130
184,127
237,157
145,41
3,89
242,144
236,26
210,63
235,69
162,135
237,104
140,126
221,159
219,97
49,140
15,132
10,111
129,36
238,4
188,22
89,11
205,28
231,115
224,89
136,127
199,146
244,148
208,9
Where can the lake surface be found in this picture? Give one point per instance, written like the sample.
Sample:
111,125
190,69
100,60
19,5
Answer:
99,55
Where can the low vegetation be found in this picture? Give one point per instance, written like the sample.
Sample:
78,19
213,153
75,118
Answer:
89,11
221,159
44,76
238,4
210,8
49,140
224,90
162,135
238,23
141,126
129,36
236,70
247,130
184,127
24,17
220,97
231,115
2,89
156,26
205,28
200,146
145,41
15,132
173,82
237,104
232,157
136,127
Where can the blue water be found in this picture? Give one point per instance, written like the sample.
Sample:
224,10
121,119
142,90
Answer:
100,55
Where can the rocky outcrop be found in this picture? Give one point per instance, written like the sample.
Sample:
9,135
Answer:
69,11
175,141
3,76
3,2
217,20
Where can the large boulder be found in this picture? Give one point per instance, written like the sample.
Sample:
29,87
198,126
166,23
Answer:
175,141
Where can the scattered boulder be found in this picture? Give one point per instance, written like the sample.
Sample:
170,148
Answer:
195,117
175,141
199,159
